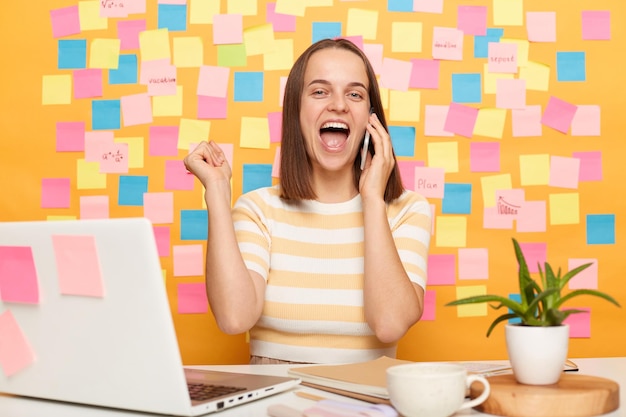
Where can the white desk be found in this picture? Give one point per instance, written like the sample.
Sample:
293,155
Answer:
612,368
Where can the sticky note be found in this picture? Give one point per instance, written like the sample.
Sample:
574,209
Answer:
94,207
428,6
162,237
16,352
256,176
154,44
289,7
541,26
104,53
600,229
481,43
564,208
227,29
213,81
558,114
192,298
441,269
406,37
65,21
89,15
461,119
325,30
535,254
466,88
78,265
472,20
280,22
471,310
160,77
564,171
170,105
443,155
484,157
56,89
502,57
88,176
275,121
404,106
424,73
244,7
55,193
586,121
596,24
532,217
457,199
163,141
473,263
70,136
492,183
536,75
534,169
508,12
126,71
281,58
587,278
248,86
590,165
212,107
579,323
527,121
135,150
177,177
395,74
114,158
429,181
403,140
71,53
105,114
407,172
192,131
451,231
523,47
510,201
18,275
255,133
374,53
194,225
492,220
362,22
490,123
128,33
511,94
430,304
435,120
232,55
188,52
490,79
188,260
447,43
570,66
172,17
131,189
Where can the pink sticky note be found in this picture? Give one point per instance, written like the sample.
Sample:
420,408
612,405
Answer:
586,121
163,141
152,70
590,165
428,6
430,299
280,22
355,39
55,193
558,114
78,265
491,219
407,172
275,120
579,323
532,217
213,81
564,172
162,80
70,136
113,8
159,207
227,29
87,83
447,44
374,53
541,26
510,93
509,202
114,158
587,278
136,109
473,263
16,353
461,119
429,182
162,237
212,107
502,57
441,269
192,298
135,6
526,121
424,73
94,207
596,24
65,21
18,275
276,164
484,157
535,255
188,260
176,176
128,33
435,120
396,74
472,20
95,142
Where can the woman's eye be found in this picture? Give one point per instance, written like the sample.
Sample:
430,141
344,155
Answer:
356,95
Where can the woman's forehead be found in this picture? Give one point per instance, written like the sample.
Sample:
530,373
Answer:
335,63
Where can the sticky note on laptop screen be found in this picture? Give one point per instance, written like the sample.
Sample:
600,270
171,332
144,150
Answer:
78,265
18,276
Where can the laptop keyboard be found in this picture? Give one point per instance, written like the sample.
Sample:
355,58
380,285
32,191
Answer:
203,392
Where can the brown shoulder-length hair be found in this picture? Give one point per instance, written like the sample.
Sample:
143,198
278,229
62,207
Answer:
295,164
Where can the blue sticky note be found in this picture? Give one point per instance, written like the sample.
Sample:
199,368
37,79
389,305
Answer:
249,86
403,140
481,43
570,66
172,17
194,225
105,114
457,199
518,298
325,30
72,54
256,176
600,229
126,72
466,88
400,5
131,190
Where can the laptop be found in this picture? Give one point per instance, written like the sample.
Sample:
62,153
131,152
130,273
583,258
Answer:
85,318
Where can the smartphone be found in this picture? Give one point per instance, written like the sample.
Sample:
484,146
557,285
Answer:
366,145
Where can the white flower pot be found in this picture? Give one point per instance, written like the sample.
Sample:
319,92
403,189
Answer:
537,354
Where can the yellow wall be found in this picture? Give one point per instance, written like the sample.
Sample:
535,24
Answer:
28,154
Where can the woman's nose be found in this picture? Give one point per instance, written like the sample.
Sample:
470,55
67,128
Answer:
338,103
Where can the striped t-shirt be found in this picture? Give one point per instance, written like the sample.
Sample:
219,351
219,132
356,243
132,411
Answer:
311,256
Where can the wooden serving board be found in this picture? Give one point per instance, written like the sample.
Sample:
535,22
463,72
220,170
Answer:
573,396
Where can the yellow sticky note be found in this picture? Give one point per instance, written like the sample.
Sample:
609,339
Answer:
537,76
104,53
404,106
202,11
491,79
471,310
290,7
154,44
492,183
564,208
362,22
406,37
534,169
451,231
135,150
255,133
281,58
490,123
168,105
259,39
188,52
443,155
522,50
242,7
89,16
508,12
88,176
56,89
192,131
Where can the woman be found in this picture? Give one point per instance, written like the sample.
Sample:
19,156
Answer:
329,266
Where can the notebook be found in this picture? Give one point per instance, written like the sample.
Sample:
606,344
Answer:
85,318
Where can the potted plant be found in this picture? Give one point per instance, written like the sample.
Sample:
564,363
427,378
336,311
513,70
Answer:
537,345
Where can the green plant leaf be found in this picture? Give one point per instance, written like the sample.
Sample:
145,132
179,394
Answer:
478,299
500,319
526,292
594,293
572,273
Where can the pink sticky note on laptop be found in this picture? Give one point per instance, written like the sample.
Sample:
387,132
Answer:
78,265
15,351
18,275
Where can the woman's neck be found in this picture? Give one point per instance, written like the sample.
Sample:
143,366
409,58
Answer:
334,188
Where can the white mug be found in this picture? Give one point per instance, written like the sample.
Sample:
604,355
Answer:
432,389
